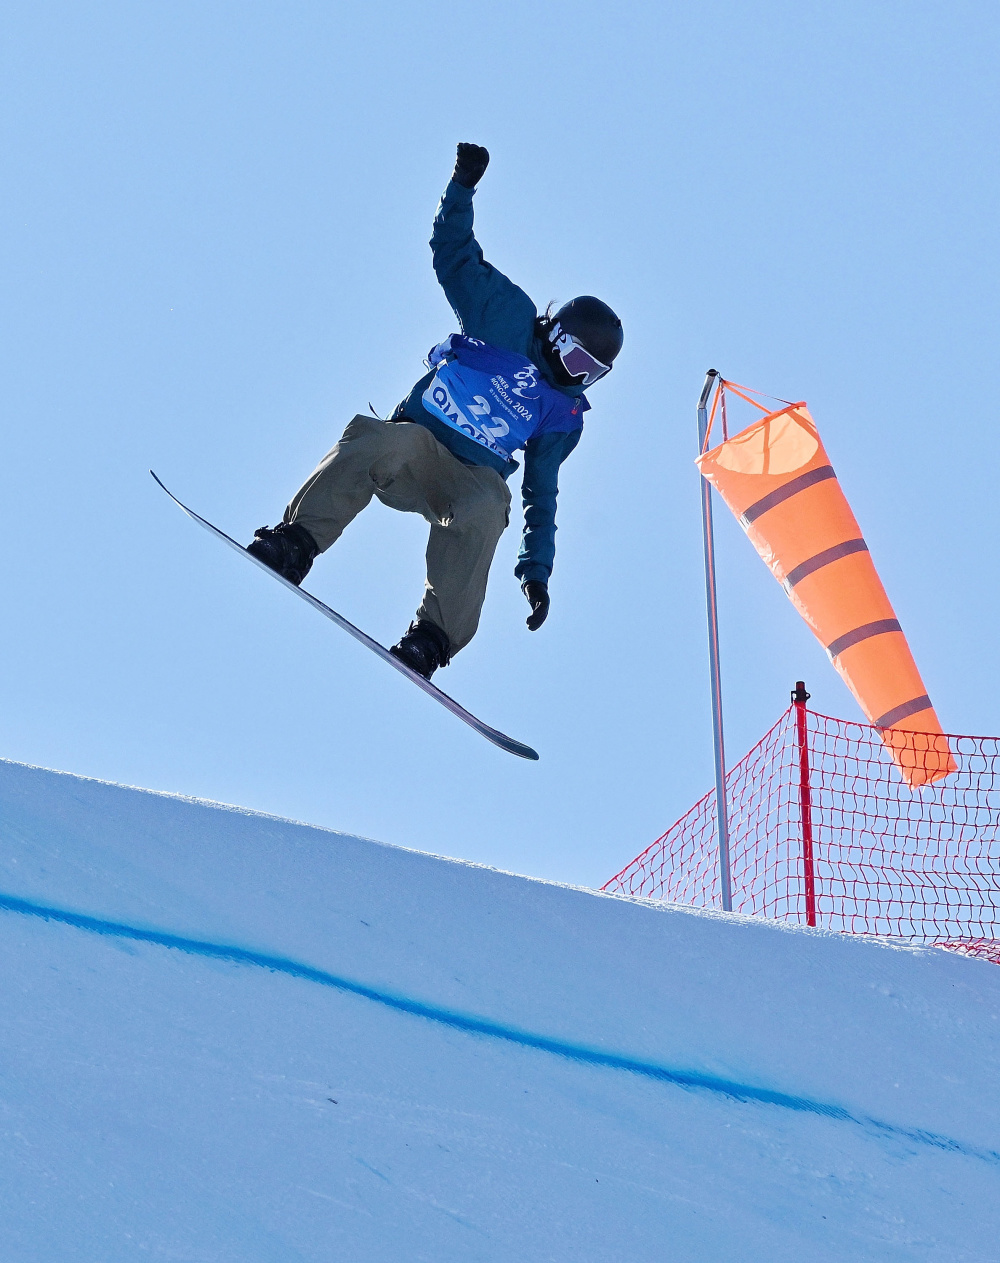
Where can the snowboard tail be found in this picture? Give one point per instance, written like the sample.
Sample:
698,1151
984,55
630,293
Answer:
491,734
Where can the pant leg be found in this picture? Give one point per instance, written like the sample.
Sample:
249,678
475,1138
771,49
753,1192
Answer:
468,507
369,453
460,552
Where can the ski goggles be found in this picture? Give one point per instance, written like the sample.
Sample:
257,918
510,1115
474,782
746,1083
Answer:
576,359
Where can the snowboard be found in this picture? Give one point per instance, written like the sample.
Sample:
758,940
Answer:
484,730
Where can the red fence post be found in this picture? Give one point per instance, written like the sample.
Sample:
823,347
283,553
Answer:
800,697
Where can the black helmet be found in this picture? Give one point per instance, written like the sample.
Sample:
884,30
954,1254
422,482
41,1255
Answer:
594,325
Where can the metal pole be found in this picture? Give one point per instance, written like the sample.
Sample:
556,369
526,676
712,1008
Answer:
800,697
721,805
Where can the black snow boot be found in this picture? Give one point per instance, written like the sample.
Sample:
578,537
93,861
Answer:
287,548
423,649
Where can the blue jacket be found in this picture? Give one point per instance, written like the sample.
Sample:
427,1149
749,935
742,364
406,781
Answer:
493,309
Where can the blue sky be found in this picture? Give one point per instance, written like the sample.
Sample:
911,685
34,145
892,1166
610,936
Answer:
214,249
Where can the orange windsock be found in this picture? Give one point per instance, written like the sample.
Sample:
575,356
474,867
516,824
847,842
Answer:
777,479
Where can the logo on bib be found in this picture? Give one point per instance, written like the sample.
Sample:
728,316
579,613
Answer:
527,381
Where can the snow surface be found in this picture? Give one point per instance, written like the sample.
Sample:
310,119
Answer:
229,1037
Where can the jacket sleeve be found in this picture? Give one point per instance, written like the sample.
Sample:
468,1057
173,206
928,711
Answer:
487,304
539,489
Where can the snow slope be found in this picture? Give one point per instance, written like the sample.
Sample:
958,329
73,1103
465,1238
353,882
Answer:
229,1037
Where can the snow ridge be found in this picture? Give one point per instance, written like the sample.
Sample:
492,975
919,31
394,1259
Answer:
472,1024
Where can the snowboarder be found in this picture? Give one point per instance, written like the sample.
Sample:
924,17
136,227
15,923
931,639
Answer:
512,379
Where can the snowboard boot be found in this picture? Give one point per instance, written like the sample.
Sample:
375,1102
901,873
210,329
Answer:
287,548
423,649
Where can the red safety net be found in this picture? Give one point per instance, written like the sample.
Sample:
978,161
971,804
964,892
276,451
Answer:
825,831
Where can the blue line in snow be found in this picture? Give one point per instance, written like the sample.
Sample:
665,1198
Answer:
690,1079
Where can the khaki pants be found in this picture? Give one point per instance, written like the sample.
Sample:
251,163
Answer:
468,507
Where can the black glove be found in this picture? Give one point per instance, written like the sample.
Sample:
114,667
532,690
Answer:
470,164
538,598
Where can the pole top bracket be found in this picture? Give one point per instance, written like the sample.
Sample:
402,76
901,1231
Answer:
799,694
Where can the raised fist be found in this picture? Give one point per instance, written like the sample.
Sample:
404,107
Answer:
471,162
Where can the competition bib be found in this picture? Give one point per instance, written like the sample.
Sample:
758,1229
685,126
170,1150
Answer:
496,398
